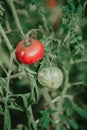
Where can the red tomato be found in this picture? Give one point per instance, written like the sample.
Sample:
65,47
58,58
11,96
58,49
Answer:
51,3
29,54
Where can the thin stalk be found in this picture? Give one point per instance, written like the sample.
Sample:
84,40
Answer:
10,48
7,24
7,92
77,83
11,4
17,75
60,102
5,38
44,20
32,121
30,33
48,99
30,117
3,68
18,2
8,75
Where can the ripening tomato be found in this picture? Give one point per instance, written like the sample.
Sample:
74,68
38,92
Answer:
29,54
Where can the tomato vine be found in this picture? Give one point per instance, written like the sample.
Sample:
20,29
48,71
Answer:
43,64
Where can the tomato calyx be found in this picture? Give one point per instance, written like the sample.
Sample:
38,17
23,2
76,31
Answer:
28,42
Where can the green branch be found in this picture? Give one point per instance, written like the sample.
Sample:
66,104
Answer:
61,101
5,38
11,4
48,99
7,113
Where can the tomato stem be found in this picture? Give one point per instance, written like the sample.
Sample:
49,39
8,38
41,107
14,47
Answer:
32,118
47,26
7,96
29,35
11,4
48,99
4,69
60,102
5,38
29,113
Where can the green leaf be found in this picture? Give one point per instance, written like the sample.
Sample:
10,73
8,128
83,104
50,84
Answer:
73,123
84,58
71,4
45,120
81,46
64,118
79,38
52,111
73,41
44,113
63,128
81,112
69,111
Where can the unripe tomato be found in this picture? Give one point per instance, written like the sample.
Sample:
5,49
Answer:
29,54
50,77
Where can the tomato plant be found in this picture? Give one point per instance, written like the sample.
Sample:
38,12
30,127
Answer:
47,88
29,54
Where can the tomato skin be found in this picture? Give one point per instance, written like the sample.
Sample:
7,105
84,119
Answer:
29,54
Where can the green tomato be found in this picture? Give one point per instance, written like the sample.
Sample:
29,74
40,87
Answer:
50,77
